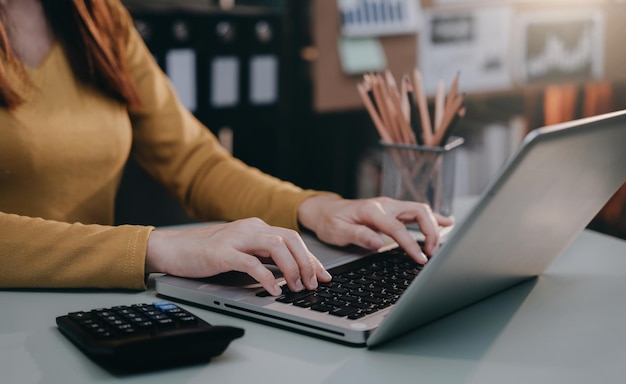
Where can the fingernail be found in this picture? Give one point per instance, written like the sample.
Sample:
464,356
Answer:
299,285
277,291
423,257
376,242
327,274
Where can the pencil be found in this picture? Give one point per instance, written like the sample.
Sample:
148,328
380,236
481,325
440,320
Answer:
455,121
405,104
422,104
453,90
385,100
440,96
414,119
381,103
399,111
445,123
380,127
405,85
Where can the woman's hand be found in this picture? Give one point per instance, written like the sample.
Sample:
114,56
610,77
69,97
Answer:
236,246
341,222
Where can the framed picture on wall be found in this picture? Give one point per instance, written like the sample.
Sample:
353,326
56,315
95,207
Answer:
472,41
560,45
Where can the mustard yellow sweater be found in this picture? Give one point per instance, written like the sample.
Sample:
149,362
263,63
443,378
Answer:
61,159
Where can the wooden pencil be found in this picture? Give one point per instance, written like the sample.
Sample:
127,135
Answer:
369,106
422,105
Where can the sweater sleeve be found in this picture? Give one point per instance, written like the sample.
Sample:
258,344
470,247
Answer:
48,254
176,149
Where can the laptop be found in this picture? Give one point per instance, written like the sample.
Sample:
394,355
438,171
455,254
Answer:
543,197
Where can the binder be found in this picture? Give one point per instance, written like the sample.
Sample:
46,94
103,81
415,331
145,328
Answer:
241,60
181,56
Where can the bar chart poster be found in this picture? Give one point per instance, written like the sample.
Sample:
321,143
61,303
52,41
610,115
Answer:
561,46
379,17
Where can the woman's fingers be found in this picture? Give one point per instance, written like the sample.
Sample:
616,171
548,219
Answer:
246,263
360,222
387,220
239,246
287,250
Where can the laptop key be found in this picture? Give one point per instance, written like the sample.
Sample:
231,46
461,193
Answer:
321,307
357,315
343,311
290,297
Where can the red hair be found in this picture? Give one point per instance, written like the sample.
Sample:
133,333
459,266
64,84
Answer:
94,35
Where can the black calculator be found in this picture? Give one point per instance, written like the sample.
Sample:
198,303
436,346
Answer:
145,336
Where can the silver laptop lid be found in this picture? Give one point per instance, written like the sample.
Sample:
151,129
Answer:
546,194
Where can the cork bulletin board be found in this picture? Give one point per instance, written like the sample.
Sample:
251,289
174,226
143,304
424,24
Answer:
334,91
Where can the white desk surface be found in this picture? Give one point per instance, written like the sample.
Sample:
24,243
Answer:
568,326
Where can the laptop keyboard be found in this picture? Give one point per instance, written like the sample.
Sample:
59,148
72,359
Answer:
359,288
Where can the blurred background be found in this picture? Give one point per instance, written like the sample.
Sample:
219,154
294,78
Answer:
275,80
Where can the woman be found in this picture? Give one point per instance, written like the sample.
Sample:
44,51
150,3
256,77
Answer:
79,90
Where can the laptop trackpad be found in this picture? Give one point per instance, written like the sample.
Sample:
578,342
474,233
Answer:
239,279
